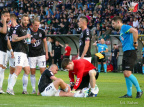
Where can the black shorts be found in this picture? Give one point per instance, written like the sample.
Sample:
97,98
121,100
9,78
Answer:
143,60
101,60
128,61
86,80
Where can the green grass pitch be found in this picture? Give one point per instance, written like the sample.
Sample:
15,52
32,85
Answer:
111,85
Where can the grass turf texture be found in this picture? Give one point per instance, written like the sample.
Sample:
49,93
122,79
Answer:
111,85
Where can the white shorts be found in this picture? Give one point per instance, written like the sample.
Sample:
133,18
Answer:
87,58
21,59
40,60
11,60
3,58
50,90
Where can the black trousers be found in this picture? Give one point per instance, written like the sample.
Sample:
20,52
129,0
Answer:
57,59
66,57
49,61
114,62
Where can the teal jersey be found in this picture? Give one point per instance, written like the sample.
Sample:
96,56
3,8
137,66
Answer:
126,38
102,47
143,51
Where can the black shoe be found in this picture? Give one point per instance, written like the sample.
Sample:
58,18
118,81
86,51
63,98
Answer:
92,94
139,94
125,96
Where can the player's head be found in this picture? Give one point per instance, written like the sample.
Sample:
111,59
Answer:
116,22
66,43
6,14
49,39
67,64
25,20
13,17
54,68
36,24
83,20
115,46
56,42
102,41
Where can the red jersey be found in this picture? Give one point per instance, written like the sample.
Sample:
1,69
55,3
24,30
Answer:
68,49
81,69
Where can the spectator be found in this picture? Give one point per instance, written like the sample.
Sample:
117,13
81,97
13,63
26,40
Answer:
57,53
135,23
67,52
114,56
50,54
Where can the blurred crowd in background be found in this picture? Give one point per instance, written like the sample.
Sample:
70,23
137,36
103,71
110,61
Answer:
61,16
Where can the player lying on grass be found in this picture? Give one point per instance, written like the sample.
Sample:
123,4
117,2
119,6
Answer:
49,84
85,73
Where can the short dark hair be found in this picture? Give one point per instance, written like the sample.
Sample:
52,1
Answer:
116,18
3,12
66,42
25,15
114,44
65,62
13,16
85,18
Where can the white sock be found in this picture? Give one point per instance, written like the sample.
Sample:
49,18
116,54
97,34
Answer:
92,90
9,79
1,77
66,89
12,81
33,81
25,82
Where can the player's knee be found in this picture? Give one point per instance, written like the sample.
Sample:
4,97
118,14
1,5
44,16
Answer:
59,80
92,72
127,73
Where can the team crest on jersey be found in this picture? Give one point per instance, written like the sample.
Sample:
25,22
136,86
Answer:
40,35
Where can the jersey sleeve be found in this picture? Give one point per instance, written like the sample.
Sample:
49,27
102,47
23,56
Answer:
126,28
87,35
79,75
43,34
106,47
71,76
49,73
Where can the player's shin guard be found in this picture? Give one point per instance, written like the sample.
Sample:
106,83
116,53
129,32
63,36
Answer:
99,67
33,81
143,69
1,76
12,81
105,68
129,86
25,82
135,82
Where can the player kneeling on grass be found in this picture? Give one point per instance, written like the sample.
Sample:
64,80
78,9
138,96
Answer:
85,73
49,84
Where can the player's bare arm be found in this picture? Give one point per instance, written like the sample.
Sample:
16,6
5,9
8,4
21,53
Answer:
15,37
61,45
85,49
46,48
4,28
10,48
53,78
95,44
